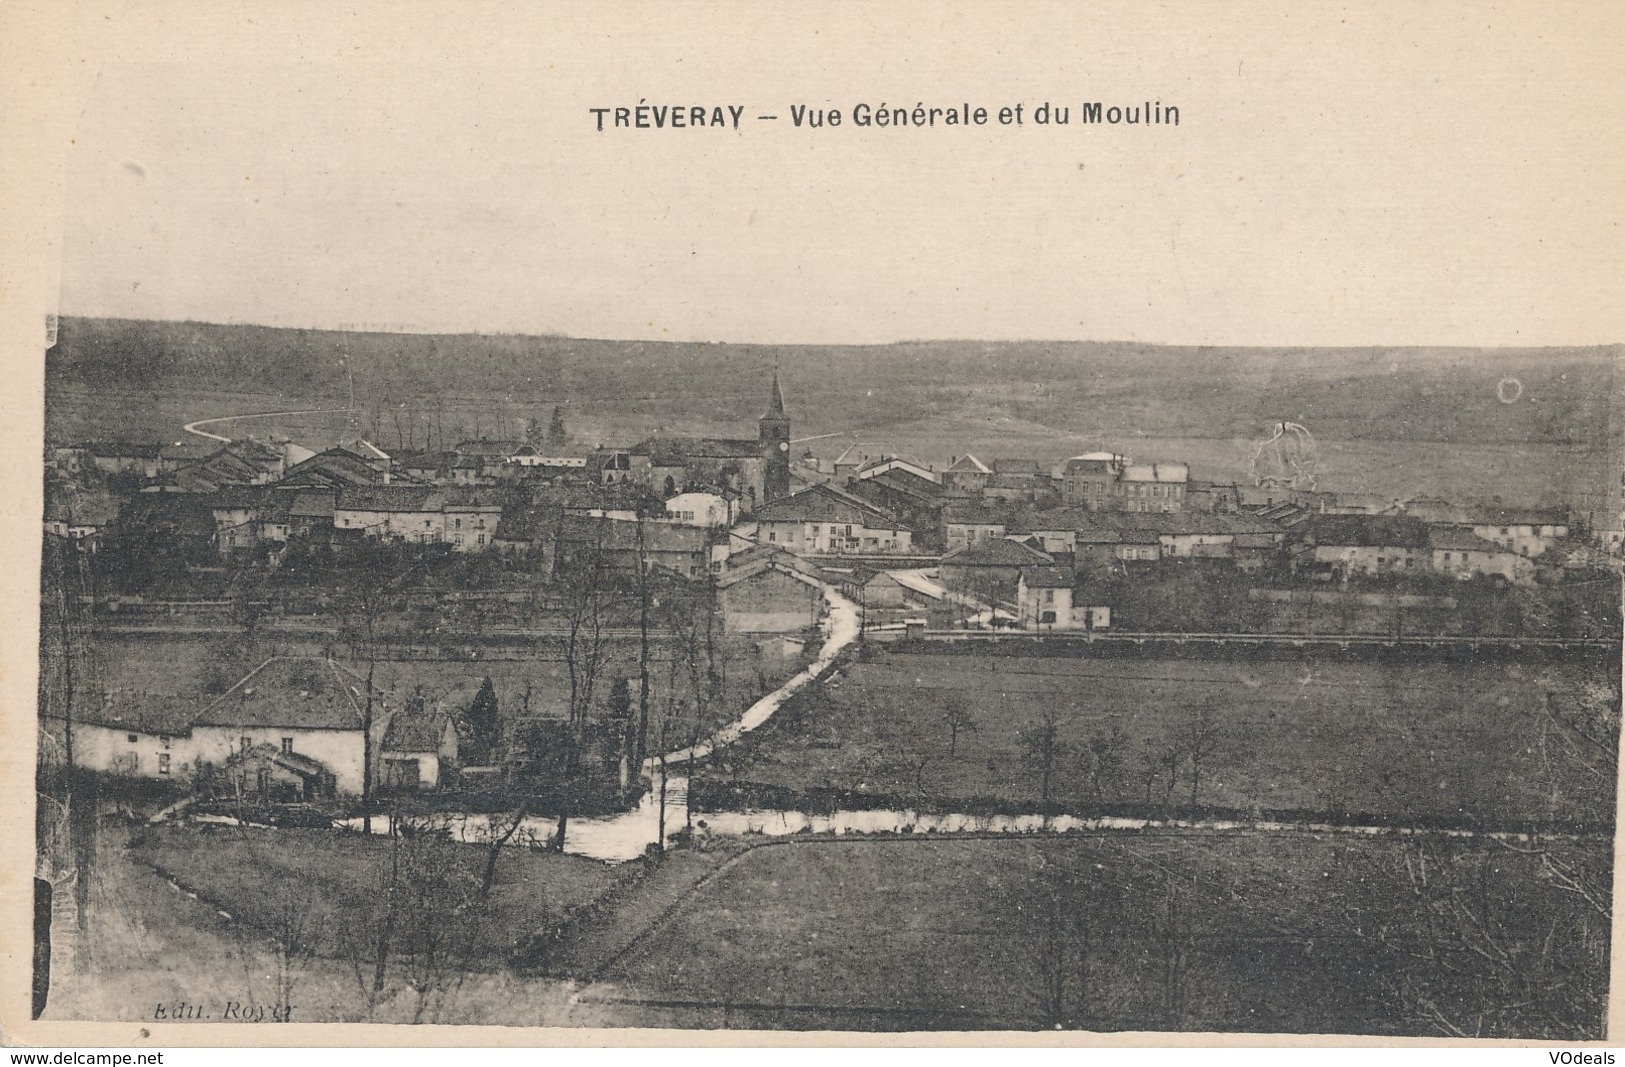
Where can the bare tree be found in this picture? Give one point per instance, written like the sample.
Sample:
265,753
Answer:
296,934
586,610
1468,958
1104,756
1199,738
1171,932
958,717
1042,749
1077,906
442,912
1169,758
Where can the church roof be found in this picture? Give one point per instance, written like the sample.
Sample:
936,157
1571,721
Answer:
775,400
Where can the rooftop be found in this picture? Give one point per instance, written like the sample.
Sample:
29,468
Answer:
298,693
996,552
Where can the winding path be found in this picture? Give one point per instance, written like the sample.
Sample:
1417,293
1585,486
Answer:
192,427
840,629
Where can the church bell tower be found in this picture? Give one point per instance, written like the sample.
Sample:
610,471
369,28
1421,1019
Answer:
773,434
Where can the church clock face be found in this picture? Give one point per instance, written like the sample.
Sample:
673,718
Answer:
784,446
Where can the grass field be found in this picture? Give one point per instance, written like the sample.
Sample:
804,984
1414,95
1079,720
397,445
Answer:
1449,740
1288,934
153,944
339,874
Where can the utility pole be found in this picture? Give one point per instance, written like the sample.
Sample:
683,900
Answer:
643,648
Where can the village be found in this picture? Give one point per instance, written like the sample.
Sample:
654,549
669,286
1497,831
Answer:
477,541
644,661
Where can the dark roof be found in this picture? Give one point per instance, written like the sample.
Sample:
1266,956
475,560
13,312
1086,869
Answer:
619,535
972,514
1169,523
825,503
336,466
312,503
1454,539
967,464
415,729
772,552
1503,516
1369,531
905,481
761,567
1019,480
155,714
1047,578
306,694
297,762
673,451
996,552
239,496
388,498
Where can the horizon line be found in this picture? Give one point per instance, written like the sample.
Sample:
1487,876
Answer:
899,342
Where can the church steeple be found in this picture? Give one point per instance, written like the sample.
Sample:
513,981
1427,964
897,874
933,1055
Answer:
775,401
773,433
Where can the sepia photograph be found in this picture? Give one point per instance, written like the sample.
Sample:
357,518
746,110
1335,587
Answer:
503,565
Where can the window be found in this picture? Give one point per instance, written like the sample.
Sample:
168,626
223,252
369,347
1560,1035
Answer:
457,524
480,539
772,535
244,744
1049,596
163,742
427,523
287,746
163,763
131,738
479,524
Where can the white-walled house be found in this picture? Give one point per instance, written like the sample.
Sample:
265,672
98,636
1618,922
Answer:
769,596
464,517
823,520
702,508
1526,531
308,708
967,524
417,743
1463,554
1044,598
134,735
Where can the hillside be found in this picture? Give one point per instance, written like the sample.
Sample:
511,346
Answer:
1445,395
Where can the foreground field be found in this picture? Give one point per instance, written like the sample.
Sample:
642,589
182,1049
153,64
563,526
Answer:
256,926
1284,934
1462,741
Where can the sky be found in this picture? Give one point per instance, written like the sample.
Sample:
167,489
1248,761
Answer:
1386,175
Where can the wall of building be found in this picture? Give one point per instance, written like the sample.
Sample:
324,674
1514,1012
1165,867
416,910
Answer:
109,750
770,602
340,751
1035,604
